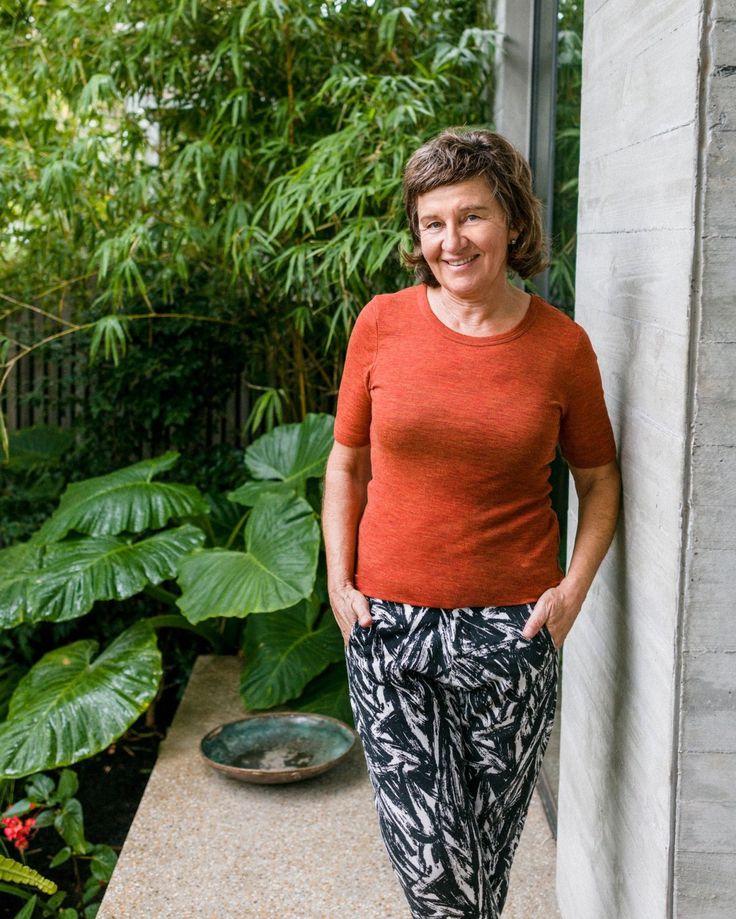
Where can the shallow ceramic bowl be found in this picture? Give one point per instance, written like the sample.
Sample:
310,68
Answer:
277,747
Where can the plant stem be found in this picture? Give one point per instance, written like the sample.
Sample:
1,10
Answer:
236,529
159,593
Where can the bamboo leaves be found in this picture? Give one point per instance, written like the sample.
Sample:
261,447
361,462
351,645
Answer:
249,157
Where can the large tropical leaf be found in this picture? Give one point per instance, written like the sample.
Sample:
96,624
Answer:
69,706
224,516
11,673
78,572
287,457
36,446
123,501
19,566
327,695
275,572
249,493
283,653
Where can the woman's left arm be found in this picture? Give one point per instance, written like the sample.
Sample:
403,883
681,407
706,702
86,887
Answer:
599,491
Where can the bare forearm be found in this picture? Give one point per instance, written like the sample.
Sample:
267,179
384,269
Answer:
343,505
598,509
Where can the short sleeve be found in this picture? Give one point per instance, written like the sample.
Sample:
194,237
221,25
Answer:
586,436
353,420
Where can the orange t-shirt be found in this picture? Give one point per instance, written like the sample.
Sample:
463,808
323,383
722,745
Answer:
462,430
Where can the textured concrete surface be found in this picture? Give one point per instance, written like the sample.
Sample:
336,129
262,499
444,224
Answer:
647,815
203,846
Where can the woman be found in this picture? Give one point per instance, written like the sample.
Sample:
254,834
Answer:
442,544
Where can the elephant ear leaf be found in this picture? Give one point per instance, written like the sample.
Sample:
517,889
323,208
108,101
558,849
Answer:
328,695
126,500
275,572
249,493
76,573
38,446
19,567
283,653
286,457
70,706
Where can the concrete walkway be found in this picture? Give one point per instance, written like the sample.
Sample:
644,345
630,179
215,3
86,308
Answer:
203,846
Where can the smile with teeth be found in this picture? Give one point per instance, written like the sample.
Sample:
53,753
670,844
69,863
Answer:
456,263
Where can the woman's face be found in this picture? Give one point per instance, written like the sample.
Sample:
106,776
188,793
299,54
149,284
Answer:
464,237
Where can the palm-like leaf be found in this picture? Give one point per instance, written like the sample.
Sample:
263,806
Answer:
275,572
19,566
287,457
69,706
126,500
18,873
78,572
283,653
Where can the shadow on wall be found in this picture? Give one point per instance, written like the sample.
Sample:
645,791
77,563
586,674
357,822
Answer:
615,783
620,638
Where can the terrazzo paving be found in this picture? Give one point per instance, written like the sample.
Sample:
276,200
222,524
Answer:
203,846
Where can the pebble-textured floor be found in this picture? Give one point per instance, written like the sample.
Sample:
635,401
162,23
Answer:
203,846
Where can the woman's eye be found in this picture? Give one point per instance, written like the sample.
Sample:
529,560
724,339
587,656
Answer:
472,217
434,225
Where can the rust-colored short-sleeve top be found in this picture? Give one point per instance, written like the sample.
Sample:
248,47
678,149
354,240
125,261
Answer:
462,430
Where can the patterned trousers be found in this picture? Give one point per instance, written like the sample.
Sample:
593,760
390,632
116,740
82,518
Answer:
454,709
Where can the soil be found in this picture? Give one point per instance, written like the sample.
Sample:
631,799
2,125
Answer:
111,785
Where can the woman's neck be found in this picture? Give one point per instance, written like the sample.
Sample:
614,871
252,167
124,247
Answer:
482,316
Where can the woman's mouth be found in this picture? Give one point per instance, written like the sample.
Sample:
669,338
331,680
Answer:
459,262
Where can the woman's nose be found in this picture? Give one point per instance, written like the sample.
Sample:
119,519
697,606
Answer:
453,239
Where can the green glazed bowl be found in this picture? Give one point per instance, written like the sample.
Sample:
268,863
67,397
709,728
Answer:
277,747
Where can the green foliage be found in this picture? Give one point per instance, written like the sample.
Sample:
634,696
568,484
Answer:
16,873
125,500
98,545
78,573
283,460
69,706
31,482
276,570
327,694
233,165
283,652
52,803
567,154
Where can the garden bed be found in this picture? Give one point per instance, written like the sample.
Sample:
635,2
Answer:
111,785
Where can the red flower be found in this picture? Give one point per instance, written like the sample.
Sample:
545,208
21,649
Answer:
17,830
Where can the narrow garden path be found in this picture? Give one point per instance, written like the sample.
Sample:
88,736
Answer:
203,846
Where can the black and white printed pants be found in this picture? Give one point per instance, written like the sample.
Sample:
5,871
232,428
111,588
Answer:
454,709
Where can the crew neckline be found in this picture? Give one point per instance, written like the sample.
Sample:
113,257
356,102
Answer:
475,340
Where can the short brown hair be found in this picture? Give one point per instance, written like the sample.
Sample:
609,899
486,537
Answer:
458,154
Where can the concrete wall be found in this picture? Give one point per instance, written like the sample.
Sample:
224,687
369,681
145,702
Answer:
648,737
705,831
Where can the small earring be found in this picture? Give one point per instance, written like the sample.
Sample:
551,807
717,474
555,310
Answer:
513,241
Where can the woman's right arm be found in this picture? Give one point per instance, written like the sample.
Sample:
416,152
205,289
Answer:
345,493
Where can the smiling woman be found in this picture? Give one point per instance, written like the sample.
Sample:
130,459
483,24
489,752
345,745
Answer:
465,237
442,544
